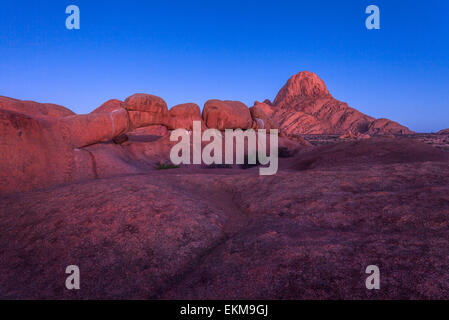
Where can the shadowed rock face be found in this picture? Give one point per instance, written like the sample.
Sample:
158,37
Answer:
305,106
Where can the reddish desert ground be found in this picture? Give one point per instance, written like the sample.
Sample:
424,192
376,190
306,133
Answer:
351,191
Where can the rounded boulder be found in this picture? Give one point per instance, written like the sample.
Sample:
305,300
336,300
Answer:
223,115
183,115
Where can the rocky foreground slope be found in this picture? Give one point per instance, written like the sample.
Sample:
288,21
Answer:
307,232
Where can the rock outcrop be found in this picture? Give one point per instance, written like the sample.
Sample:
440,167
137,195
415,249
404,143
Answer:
386,127
145,110
442,132
302,85
305,106
109,106
261,113
36,155
83,130
34,109
183,115
223,115
47,144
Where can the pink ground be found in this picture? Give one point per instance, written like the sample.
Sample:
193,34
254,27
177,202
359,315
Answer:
306,233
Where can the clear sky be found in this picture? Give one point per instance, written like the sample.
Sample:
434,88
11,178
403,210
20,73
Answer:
192,51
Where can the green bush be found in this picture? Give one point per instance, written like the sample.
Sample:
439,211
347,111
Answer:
163,166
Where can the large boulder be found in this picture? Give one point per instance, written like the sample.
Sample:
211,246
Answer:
183,115
442,132
223,115
146,103
83,130
145,110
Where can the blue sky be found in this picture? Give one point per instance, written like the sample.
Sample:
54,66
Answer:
192,51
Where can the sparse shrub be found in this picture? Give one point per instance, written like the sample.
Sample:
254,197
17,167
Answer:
163,166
